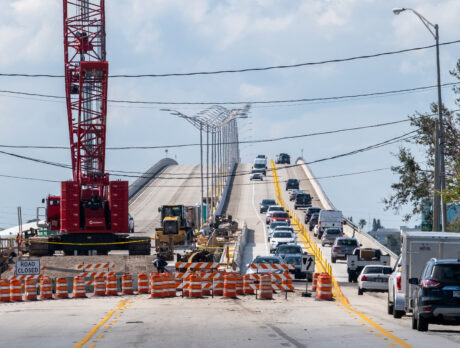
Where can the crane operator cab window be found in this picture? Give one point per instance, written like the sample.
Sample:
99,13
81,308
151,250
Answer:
172,211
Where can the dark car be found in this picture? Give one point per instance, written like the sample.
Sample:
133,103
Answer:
309,212
342,247
302,200
293,194
283,158
265,204
295,260
437,295
292,184
313,221
288,249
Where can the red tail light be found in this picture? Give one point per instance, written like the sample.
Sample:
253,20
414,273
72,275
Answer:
398,282
428,283
336,248
363,278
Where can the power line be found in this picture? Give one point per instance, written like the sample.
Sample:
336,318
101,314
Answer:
256,102
227,71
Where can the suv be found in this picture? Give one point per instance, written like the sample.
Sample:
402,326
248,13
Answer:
309,212
283,158
293,194
265,204
342,247
313,221
288,249
302,200
280,216
292,184
271,209
437,295
330,235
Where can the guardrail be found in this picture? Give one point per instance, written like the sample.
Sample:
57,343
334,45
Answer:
139,183
224,197
350,229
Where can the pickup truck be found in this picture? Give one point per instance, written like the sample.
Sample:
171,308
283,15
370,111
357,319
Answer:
362,257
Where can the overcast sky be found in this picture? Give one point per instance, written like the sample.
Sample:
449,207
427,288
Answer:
184,36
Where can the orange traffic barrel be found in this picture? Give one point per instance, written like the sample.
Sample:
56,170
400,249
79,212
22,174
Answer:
30,293
79,287
324,289
62,290
186,287
111,288
314,281
265,288
15,290
46,291
239,284
195,286
142,283
156,286
127,284
4,290
218,284
286,282
229,286
248,285
206,280
99,285
171,285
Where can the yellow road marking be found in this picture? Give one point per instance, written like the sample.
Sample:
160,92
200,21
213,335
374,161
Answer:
92,346
95,328
100,336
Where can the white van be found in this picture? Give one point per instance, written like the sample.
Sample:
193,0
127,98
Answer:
329,219
260,166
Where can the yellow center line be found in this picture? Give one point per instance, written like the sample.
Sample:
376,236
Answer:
95,328
324,266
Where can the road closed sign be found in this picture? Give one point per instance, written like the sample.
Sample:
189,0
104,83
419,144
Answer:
28,267
308,263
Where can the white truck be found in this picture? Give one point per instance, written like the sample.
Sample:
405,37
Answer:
259,166
329,219
362,257
417,249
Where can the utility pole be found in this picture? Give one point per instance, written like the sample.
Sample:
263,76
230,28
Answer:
436,196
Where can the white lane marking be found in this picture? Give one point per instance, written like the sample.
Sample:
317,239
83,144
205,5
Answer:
260,219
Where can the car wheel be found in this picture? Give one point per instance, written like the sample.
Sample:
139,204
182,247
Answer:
397,314
360,291
389,308
414,322
333,259
422,324
350,278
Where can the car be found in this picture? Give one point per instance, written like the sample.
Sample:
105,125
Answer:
280,238
316,230
283,158
342,247
296,260
396,301
293,194
309,213
256,176
302,200
313,221
259,166
437,294
292,184
131,223
273,227
265,204
261,156
287,228
288,249
330,235
265,260
374,278
271,209
280,216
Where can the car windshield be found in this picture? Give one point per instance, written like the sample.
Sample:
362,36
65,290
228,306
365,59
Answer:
349,242
448,273
268,202
284,228
290,249
259,165
277,224
281,215
267,260
292,181
292,260
276,208
313,211
377,270
282,235
331,232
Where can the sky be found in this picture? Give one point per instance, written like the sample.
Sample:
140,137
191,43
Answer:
169,36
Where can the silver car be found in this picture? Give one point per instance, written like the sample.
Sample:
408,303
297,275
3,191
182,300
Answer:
373,278
329,236
342,247
273,226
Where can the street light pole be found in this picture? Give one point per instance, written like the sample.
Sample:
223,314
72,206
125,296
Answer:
439,205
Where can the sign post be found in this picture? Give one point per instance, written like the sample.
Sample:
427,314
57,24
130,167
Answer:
307,266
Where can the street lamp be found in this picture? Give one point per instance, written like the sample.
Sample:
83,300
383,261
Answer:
439,205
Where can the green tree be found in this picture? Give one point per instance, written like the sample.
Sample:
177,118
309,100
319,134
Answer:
362,223
416,174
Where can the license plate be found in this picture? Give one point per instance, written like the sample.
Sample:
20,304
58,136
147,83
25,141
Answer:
456,293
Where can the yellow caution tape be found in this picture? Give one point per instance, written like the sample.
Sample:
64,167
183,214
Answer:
81,244
207,247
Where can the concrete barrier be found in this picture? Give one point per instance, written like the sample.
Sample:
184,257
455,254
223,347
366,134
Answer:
225,192
139,183
239,248
350,229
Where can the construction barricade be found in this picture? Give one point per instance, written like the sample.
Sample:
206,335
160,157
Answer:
30,293
171,285
111,287
99,285
4,290
206,281
314,281
265,288
142,283
286,282
62,290
248,285
195,290
79,287
218,284
15,290
46,290
127,284
324,288
156,286
229,286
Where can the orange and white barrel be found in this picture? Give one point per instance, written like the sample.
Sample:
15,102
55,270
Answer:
287,281
206,283
229,286
195,286
248,285
15,290
218,284
142,283
186,287
127,284
156,286
46,290
111,286
4,290
324,289
99,285
30,293
314,281
171,285
79,287
62,290
265,288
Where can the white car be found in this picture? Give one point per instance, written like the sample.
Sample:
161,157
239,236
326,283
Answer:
271,209
374,278
286,228
396,299
281,237
256,176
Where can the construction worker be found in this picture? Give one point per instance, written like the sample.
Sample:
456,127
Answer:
160,264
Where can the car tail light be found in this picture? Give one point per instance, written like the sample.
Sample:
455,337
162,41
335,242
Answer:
428,283
336,248
363,278
398,282
427,309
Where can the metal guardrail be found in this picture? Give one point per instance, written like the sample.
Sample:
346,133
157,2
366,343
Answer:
350,228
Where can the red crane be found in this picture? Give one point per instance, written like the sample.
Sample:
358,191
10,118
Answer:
91,210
